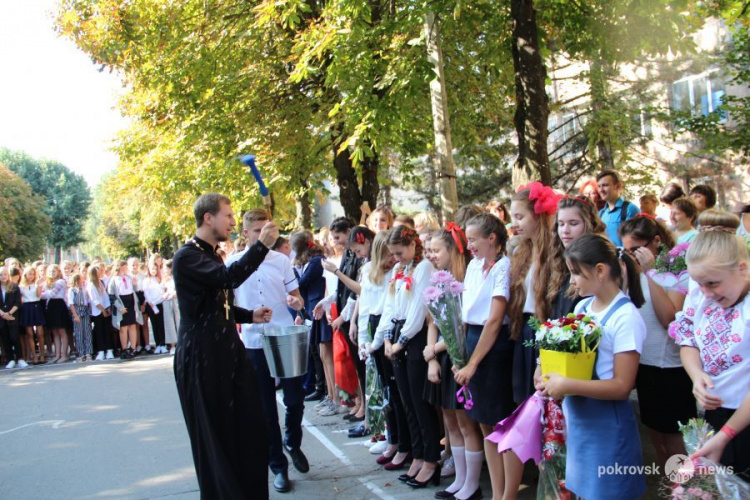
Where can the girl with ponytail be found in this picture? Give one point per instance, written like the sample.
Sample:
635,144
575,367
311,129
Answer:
404,327
664,388
601,425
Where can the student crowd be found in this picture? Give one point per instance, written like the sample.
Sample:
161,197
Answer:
543,256
86,310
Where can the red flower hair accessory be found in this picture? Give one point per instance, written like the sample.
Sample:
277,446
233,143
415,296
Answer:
457,233
544,197
360,238
310,244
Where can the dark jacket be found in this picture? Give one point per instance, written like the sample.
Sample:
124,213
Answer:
12,298
312,284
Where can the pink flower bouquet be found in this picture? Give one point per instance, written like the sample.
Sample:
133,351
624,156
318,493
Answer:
670,269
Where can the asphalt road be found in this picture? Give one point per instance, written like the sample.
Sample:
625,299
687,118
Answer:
114,429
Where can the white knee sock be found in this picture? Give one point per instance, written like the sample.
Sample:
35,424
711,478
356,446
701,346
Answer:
459,461
474,461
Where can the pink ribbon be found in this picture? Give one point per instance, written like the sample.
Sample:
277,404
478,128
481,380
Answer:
464,396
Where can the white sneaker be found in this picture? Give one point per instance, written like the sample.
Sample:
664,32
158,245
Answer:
379,448
449,468
22,364
172,350
110,354
329,410
10,365
323,402
99,356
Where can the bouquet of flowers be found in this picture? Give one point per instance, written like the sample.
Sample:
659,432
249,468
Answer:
670,269
691,478
567,345
443,300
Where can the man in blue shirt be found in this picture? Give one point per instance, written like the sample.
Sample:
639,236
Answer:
616,209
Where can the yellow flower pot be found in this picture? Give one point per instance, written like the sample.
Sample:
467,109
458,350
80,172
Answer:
568,364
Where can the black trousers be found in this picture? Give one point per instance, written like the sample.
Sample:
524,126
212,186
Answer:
157,324
11,342
395,414
422,418
102,336
737,452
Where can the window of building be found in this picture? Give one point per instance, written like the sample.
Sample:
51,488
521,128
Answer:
699,94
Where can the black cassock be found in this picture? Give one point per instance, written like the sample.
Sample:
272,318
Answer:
217,387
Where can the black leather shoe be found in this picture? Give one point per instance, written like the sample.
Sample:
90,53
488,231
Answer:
405,478
299,460
314,396
434,479
281,483
444,495
359,431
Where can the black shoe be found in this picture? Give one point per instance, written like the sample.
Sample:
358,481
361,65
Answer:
359,431
352,418
281,482
314,396
444,495
404,478
477,495
299,460
434,479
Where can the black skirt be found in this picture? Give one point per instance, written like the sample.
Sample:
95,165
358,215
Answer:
57,315
32,314
491,386
128,302
524,364
321,331
665,397
448,386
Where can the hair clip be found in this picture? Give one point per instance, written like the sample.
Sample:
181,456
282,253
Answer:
360,238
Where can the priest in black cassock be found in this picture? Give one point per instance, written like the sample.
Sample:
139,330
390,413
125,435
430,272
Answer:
217,387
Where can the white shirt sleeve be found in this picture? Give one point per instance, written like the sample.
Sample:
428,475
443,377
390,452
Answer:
348,311
71,297
290,280
385,321
501,286
415,309
93,296
630,331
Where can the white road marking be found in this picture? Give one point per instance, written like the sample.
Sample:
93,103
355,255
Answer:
338,453
55,425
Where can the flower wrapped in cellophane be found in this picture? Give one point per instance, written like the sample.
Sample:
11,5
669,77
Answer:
697,478
670,269
443,300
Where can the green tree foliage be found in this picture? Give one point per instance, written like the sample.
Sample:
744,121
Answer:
24,226
66,195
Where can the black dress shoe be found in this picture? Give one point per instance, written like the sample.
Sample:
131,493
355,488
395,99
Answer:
477,495
404,478
434,479
281,483
299,460
359,431
314,396
444,495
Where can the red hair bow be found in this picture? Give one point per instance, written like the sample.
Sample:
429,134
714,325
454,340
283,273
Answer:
401,276
310,244
360,238
544,197
644,214
457,233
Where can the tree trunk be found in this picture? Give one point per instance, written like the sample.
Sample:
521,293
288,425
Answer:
346,178
441,121
370,183
532,103
304,212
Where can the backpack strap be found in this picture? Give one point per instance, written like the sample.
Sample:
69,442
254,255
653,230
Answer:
621,302
624,210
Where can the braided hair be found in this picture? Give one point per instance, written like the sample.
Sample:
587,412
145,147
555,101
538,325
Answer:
405,236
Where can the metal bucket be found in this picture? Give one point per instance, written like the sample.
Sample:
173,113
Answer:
286,349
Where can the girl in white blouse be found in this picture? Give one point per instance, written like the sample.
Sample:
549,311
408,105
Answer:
122,296
56,313
154,293
171,309
100,311
32,314
404,327
665,392
488,374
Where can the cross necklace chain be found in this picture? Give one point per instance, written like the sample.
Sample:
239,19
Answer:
227,307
